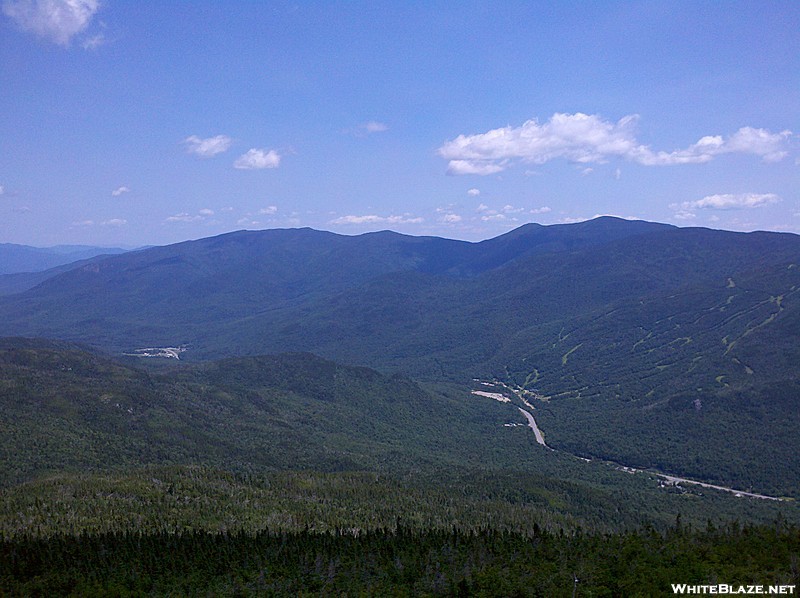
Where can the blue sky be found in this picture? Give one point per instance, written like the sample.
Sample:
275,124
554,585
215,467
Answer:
128,123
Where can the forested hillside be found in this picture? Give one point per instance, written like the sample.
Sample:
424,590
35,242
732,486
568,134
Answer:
73,418
631,344
641,343
293,474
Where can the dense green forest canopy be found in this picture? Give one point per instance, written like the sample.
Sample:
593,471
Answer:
401,561
638,348
649,345
75,417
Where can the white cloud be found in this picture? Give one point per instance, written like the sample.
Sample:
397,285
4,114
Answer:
210,146
747,140
375,219
2,190
110,222
201,216
369,219
482,207
406,219
473,167
509,209
373,127
450,218
367,128
268,210
93,42
473,192
684,215
56,20
587,171
492,217
119,191
585,138
542,210
728,201
256,159
183,217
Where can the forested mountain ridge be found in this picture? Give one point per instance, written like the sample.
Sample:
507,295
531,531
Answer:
65,409
16,258
180,477
646,344
197,288
288,441
306,289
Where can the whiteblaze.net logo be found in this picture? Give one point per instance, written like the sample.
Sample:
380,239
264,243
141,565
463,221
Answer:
733,589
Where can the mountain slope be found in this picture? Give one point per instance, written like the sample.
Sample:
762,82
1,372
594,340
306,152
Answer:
91,442
185,292
650,345
23,258
63,409
180,293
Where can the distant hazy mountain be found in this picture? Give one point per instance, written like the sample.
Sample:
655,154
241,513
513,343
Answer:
648,344
23,258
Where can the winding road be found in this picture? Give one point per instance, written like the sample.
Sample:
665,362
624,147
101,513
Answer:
676,480
534,427
670,479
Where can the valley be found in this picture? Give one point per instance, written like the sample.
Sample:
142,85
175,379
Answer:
399,299
671,480
573,381
654,346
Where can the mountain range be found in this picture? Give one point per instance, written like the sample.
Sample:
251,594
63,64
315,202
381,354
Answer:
23,267
24,258
640,343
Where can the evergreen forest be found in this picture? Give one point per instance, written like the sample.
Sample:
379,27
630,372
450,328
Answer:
293,412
